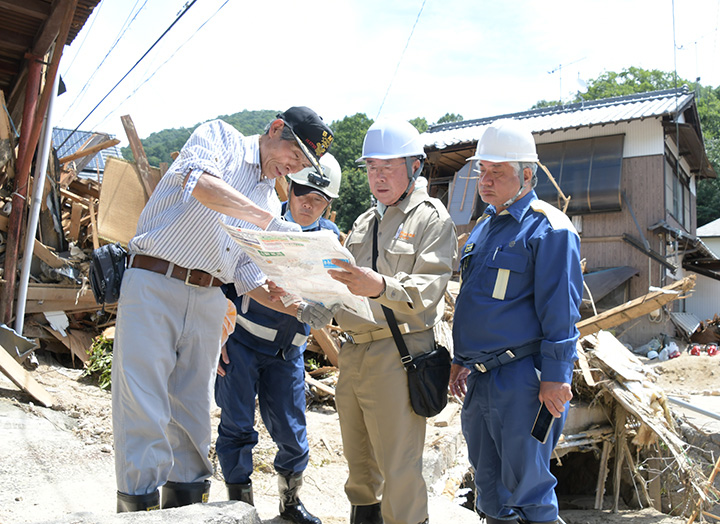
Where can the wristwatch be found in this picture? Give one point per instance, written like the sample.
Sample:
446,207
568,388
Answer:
300,309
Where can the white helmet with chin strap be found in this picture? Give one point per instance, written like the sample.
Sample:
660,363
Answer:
395,138
309,177
507,140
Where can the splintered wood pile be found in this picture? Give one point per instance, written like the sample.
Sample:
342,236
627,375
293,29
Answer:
641,421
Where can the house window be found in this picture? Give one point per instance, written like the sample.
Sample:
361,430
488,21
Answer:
677,192
587,170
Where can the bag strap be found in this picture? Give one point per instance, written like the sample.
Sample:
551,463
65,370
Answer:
405,356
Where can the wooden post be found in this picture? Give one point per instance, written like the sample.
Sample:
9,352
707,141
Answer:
141,160
620,419
602,474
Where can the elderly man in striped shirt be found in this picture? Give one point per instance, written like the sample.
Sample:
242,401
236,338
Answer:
171,308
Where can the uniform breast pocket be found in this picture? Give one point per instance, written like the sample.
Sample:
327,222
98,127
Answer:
400,256
509,275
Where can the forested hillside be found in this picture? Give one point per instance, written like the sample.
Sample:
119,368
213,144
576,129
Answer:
158,146
350,131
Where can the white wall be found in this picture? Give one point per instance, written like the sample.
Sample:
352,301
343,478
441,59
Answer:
705,300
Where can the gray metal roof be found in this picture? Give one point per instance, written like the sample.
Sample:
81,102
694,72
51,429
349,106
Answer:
572,116
76,140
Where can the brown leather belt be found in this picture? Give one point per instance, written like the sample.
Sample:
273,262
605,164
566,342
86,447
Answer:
191,277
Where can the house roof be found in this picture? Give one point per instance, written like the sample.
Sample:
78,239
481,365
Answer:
31,26
655,104
76,141
711,229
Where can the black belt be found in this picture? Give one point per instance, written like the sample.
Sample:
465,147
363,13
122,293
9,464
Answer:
507,356
191,277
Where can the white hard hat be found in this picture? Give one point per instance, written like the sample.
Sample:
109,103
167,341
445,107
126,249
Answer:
392,138
309,176
506,140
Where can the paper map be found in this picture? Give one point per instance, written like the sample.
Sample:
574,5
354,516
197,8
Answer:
298,263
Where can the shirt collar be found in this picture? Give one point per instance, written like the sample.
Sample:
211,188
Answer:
410,202
518,208
252,150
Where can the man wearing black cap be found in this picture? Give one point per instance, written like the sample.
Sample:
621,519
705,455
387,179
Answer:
171,308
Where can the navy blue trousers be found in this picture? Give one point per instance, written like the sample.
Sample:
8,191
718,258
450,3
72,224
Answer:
512,469
280,388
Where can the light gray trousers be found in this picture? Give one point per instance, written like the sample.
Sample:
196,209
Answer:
166,350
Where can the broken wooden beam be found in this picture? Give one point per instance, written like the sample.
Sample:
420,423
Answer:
327,343
22,379
637,307
89,151
146,176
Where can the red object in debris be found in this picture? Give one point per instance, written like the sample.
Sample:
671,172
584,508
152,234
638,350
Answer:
674,354
711,349
695,350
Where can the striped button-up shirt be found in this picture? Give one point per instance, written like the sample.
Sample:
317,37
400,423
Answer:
174,226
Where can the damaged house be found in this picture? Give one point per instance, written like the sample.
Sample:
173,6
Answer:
626,170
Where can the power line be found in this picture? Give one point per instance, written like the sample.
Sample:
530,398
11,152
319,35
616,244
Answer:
126,25
400,60
185,9
165,62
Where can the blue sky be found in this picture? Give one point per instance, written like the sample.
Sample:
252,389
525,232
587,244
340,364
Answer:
471,57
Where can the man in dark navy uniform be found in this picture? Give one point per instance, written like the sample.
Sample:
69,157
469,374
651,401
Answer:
263,357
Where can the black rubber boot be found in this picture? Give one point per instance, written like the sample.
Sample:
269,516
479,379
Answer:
290,506
147,502
491,520
371,514
241,492
176,494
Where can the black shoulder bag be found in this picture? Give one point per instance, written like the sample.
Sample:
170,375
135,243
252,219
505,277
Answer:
428,374
106,272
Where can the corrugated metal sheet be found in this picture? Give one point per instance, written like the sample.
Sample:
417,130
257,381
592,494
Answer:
574,116
78,138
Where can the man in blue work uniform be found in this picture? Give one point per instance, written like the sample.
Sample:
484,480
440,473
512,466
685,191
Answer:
514,330
264,357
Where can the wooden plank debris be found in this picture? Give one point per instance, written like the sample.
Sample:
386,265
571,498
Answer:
637,307
148,179
22,379
121,201
319,385
89,151
327,343
630,384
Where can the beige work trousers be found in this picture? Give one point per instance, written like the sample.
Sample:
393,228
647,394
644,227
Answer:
382,436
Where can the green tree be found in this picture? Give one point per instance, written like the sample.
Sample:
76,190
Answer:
450,117
349,134
354,197
627,82
160,145
420,124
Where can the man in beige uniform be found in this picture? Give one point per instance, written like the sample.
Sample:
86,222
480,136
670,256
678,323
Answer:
383,438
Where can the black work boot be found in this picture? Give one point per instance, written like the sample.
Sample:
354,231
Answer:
290,506
241,492
371,514
491,520
145,502
176,494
